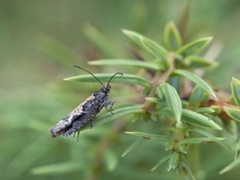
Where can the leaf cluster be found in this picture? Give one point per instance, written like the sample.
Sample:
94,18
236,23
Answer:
185,105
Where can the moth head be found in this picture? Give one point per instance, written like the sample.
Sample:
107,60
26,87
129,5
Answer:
106,88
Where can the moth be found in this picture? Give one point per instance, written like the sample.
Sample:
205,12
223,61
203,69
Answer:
85,111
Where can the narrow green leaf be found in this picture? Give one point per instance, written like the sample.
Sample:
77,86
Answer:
149,136
156,49
199,120
201,140
164,159
194,46
132,147
125,62
101,41
60,168
126,78
196,79
173,161
172,37
205,110
197,96
234,113
206,133
235,87
199,62
134,36
152,99
231,166
173,101
118,112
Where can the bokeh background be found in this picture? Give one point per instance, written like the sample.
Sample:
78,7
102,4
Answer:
40,41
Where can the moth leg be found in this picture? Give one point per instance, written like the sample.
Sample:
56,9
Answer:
91,121
78,134
109,102
74,134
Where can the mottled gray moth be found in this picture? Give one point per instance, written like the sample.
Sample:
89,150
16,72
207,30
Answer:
85,111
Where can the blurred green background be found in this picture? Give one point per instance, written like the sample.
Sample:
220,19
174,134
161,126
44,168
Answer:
40,41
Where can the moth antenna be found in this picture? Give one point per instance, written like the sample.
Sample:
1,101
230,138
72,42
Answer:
89,73
113,77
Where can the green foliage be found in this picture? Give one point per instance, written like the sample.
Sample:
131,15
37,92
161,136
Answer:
199,119
154,48
125,62
41,41
194,47
173,101
172,37
165,106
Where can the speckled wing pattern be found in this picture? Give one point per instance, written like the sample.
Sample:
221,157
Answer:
83,113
